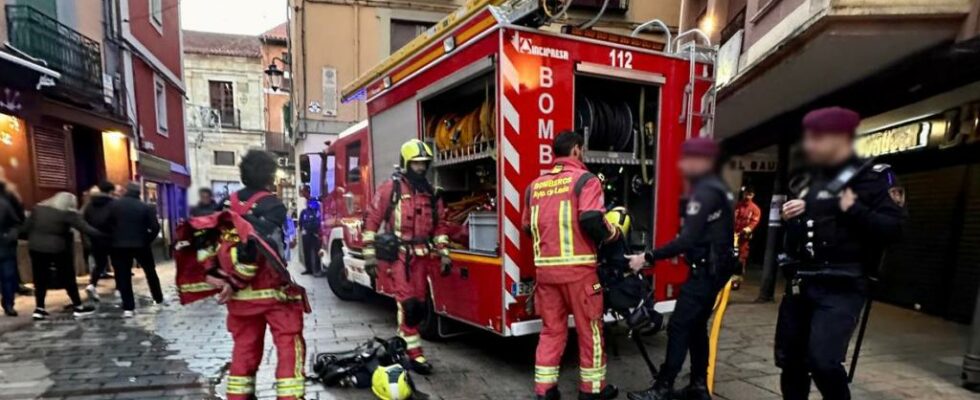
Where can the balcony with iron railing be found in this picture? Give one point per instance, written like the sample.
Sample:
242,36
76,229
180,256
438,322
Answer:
77,57
231,118
278,143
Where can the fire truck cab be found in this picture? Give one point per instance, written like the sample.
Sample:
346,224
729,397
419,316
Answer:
489,95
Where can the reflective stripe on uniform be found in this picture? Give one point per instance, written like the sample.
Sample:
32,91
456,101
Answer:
397,217
300,355
565,231
593,377
597,373
441,239
290,387
545,375
535,233
246,270
241,384
195,287
367,236
413,341
263,294
564,261
206,253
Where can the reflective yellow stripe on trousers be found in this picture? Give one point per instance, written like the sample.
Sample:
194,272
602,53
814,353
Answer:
241,384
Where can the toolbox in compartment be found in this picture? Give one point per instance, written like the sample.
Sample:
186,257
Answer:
484,231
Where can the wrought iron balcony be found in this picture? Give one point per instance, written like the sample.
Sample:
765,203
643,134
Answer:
77,57
278,143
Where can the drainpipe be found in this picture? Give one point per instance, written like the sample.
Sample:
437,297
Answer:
971,361
775,230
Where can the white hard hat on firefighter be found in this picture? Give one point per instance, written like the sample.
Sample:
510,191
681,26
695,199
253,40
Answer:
415,150
391,383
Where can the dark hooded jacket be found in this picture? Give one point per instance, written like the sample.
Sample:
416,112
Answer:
48,229
132,223
97,213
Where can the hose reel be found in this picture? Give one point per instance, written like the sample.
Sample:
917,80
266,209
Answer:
610,124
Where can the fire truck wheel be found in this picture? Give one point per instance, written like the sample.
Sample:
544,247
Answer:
343,288
429,327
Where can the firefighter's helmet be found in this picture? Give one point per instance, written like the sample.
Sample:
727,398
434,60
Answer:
620,219
391,383
415,150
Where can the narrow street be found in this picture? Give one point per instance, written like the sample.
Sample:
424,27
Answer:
176,352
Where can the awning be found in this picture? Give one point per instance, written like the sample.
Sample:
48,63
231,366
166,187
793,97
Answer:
153,167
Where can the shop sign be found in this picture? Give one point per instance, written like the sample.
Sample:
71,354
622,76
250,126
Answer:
753,164
964,126
956,127
894,140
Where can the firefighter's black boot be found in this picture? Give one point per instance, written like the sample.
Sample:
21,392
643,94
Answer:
551,394
696,390
608,393
421,366
659,391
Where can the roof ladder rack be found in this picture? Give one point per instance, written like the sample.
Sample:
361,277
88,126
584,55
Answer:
707,55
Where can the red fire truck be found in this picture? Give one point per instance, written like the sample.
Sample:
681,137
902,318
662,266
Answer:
490,93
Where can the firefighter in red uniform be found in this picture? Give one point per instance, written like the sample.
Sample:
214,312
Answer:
415,243
564,215
257,289
747,216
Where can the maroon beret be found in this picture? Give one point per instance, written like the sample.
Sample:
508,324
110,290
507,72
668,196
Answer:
700,147
835,120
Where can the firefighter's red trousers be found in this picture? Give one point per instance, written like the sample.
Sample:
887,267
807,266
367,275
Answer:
553,302
248,332
410,283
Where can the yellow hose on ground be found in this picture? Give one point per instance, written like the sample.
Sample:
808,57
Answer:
721,304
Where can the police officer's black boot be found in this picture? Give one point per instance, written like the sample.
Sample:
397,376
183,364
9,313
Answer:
696,390
608,393
551,394
659,391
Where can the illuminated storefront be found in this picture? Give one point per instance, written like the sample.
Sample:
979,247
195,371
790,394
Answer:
937,162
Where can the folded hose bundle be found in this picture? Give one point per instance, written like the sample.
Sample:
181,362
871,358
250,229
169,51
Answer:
460,130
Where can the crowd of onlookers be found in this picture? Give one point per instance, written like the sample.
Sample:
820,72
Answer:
114,225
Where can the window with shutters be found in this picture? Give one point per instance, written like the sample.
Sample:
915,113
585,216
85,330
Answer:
160,98
330,94
403,32
224,158
222,95
51,150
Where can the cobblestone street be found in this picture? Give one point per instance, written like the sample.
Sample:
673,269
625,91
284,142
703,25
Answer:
175,352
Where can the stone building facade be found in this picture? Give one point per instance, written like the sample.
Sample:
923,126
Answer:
225,106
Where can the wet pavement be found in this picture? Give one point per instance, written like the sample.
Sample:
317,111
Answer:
181,352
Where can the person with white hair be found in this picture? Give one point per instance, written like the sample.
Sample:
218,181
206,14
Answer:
51,244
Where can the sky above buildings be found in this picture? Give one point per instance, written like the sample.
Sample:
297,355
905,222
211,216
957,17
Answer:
248,17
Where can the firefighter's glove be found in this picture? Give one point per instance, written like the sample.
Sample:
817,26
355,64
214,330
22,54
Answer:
446,266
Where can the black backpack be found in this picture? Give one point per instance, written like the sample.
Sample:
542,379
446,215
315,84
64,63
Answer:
354,368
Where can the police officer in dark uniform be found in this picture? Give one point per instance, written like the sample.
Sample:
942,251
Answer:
839,220
706,242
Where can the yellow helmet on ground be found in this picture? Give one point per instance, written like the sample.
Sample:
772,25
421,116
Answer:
619,218
391,383
415,150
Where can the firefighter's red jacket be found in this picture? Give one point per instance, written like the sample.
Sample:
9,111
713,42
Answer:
262,282
411,219
747,215
555,203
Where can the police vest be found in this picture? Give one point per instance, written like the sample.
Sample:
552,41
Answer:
558,239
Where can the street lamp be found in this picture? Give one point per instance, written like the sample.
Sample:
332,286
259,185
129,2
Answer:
275,74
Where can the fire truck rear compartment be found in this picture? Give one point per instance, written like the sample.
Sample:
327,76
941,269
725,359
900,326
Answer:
459,123
619,119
